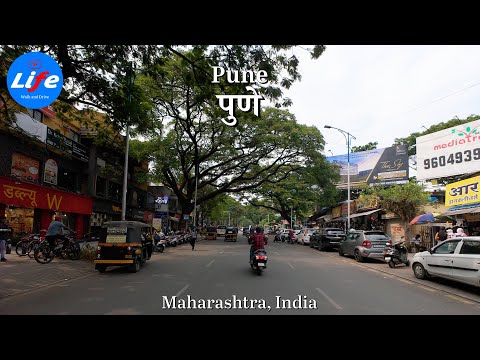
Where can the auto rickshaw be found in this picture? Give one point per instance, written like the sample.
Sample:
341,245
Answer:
122,243
231,233
211,233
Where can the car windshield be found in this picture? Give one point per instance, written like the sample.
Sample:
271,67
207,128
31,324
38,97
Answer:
335,232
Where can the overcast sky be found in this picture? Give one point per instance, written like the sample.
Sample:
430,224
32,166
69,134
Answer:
378,93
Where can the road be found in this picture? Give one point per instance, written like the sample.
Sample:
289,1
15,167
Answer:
298,280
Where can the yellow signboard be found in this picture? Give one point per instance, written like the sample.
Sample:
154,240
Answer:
462,192
336,212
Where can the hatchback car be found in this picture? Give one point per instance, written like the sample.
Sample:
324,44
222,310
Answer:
221,229
363,244
304,238
456,259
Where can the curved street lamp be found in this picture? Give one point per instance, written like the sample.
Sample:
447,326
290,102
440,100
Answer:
347,138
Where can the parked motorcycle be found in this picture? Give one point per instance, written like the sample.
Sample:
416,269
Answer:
259,261
396,254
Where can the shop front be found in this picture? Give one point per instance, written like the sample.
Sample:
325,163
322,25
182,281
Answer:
29,208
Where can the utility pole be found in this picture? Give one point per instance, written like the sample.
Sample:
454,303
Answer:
127,138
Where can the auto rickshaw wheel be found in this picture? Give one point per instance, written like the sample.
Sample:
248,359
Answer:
101,268
135,267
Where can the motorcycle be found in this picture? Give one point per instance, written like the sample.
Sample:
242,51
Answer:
258,261
396,254
277,238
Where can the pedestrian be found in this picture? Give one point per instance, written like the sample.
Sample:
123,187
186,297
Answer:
441,235
4,235
460,232
193,238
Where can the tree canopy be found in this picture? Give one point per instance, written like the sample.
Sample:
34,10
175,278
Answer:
369,146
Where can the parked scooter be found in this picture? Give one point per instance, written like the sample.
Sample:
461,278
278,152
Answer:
396,254
259,261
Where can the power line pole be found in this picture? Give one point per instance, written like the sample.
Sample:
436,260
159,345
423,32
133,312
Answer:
127,138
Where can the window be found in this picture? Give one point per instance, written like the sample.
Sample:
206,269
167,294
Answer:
101,187
35,114
67,179
447,248
470,247
114,191
73,135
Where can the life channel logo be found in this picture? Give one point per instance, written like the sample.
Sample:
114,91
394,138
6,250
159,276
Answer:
34,80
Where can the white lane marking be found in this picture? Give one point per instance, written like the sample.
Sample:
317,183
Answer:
426,288
291,266
182,290
210,263
330,300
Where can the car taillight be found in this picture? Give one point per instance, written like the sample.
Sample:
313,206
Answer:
98,249
388,243
366,243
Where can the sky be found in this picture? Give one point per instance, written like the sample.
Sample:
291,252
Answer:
379,93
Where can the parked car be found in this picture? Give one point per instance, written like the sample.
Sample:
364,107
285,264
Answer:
456,259
363,244
304,237
327,238
221,230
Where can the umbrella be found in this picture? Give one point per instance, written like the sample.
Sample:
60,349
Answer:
428,218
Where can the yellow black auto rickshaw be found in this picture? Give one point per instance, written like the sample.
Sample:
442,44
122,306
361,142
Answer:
121,243
211,233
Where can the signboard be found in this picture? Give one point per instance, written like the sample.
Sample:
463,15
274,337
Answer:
30,126
336,212
66,145
396,231
34,196
379,166
449,152
161,203
51,172
157,224
161,215
24,167
463,192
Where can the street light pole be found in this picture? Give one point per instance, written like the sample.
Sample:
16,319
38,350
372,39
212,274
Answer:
347,137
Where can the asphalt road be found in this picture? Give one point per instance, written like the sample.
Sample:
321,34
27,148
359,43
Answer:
298,280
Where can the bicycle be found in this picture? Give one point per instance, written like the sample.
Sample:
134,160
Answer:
45,254
24,245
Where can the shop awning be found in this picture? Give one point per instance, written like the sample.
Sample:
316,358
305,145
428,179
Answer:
462,211
339,219
364,213
325,218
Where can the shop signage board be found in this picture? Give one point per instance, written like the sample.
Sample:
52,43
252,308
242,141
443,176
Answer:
464,192
66,145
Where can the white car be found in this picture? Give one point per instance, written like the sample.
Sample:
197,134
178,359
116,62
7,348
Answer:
455,259
304,237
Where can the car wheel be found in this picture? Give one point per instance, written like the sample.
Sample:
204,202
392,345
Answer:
101,268
357,255
419,271
340,252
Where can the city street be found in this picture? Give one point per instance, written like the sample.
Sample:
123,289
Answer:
313,282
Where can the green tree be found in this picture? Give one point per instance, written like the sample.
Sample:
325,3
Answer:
405,201
369,146
309,187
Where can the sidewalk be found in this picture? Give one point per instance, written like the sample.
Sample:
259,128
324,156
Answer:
20,273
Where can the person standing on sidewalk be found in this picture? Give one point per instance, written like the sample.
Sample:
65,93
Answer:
4,235
193,239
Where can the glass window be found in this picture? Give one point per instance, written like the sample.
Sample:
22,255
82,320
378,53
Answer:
114,191
101,187
470,247
73,135
447,247
35,114
67,179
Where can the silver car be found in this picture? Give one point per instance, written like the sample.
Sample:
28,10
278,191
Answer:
363,244
455,259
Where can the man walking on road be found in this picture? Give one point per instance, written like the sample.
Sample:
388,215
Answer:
4,235
193,238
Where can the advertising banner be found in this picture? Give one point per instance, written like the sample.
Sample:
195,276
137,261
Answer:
34,196
66,145
463,192
51,172
24,167
379,166
449,152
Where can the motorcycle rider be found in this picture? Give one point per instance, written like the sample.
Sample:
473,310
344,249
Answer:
259,240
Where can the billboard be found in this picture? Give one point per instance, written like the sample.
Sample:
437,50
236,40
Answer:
449,152
379,166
